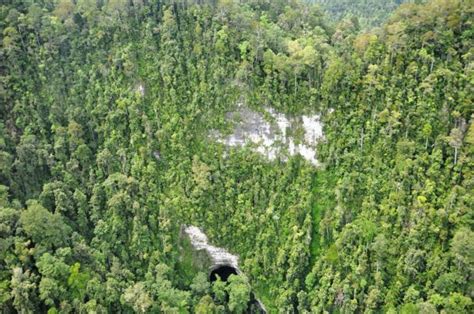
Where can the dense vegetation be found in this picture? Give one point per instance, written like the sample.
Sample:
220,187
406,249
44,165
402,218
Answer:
105,153
366,13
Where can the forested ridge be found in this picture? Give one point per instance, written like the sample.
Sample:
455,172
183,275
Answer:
105,153
367,13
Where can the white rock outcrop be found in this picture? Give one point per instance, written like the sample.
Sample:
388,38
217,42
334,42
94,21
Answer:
269,136
219,256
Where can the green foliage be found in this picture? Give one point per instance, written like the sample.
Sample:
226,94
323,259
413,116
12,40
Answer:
77,281
369,13
200,285
44,227
105,139
219,290
239,294
138,298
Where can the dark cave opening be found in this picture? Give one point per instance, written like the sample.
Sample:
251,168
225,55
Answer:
223,271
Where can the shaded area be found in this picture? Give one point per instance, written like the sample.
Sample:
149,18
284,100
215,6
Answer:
223,271
255,306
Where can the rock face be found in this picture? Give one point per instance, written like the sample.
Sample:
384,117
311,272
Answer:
221,262
274,134
218,256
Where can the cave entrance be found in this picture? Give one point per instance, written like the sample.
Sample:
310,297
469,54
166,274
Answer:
223,271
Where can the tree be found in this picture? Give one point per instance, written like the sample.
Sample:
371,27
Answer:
462,250
23,286
54,275
43,227
138,298
219,290
239,293
205,305
77,282
427,130
455,141
200,284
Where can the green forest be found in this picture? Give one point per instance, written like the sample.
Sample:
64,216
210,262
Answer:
106,111
367,13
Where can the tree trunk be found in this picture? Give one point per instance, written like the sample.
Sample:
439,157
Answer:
295,83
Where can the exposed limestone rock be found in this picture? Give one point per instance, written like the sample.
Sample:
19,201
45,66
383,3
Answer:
273,134
218,256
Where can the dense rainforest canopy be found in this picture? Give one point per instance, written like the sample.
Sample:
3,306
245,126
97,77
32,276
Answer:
367,13
106,109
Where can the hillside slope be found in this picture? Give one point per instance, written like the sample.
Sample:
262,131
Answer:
106,151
